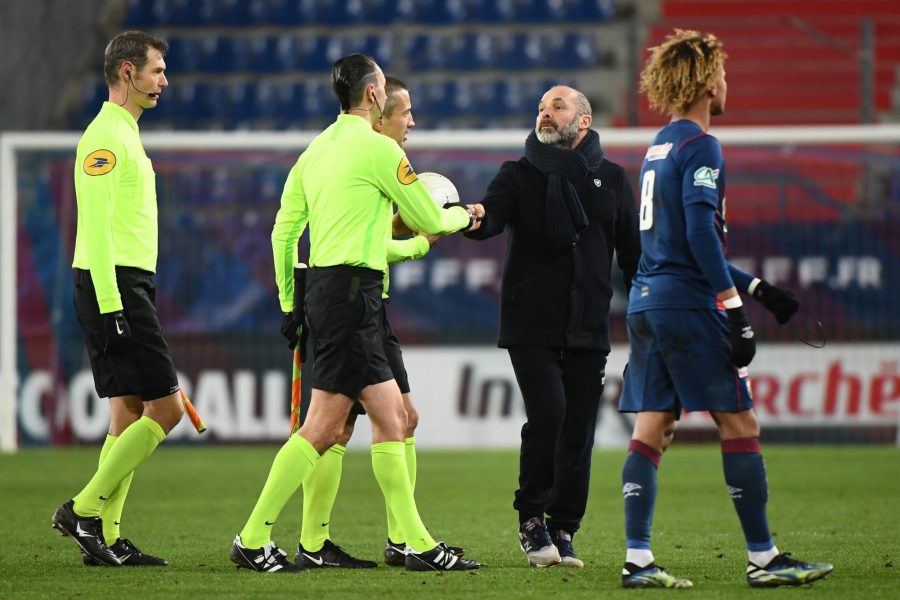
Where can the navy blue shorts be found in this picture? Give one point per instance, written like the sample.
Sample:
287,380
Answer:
679,359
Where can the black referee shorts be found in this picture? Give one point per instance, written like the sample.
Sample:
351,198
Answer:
343,308
393,353
144,367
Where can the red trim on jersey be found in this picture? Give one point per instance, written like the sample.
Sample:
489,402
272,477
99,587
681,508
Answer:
649,451
690,139
746,445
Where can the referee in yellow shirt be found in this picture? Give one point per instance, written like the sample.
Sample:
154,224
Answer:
343,186
115,259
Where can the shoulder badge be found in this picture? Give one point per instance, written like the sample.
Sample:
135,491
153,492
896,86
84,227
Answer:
99,162
405,173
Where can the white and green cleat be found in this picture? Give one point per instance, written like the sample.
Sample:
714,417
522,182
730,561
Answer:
784,570
651,576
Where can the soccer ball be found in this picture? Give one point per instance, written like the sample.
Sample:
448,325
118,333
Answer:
441,189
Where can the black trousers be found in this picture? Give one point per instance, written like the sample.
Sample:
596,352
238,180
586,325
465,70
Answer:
562,389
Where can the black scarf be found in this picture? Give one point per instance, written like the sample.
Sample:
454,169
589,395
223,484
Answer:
564,169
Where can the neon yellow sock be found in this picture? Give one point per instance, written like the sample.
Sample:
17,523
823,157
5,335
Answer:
289,468
319,492
394,533
389,466
410,448
131,449
111,511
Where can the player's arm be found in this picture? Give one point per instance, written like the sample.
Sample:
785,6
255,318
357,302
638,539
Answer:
97,189
289,225
399,182
702,161
413,248
499,202
628,236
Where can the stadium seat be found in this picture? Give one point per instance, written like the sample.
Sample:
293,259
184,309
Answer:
218,53
424,52
288,54
140,14
184,55
343,12
263,54
522,51
591,10
573,51
493,11
380,47
314,53
191,102
241,53
290,97
243,12
381,12
193,13
240,101
293,12
472,52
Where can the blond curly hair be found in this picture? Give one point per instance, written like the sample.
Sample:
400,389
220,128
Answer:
681,69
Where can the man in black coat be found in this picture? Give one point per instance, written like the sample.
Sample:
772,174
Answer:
565,209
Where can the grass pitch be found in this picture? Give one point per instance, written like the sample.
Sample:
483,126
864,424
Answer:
835,504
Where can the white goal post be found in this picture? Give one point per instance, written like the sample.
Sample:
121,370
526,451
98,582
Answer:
11,144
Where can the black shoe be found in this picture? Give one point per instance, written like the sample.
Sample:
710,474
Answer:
268,559
128,555
439,558
394,554
537,545
331,555
87,533
562,539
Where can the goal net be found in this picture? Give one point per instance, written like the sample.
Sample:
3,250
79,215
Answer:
814,209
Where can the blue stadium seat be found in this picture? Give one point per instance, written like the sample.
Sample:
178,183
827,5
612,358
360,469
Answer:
290,99
436,12
343,12
441,97
381,48
493,11
263,54
192,104
240,101
288,54
381,12
314,53
294,12
591,10
424,52
573,51
218,53
265,102
243,12
472,52
140,14
522,51
193,13
184,55
93,96
241,53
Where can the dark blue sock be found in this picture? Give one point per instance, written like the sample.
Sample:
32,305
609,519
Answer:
639,492
745,475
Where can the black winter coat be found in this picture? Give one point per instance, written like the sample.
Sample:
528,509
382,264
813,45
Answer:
559,300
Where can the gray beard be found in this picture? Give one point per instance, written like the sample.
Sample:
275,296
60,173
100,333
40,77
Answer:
562,137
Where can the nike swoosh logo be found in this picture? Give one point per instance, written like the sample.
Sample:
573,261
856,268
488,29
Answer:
104,499
325,524
318,561
119,329
81,532
268,523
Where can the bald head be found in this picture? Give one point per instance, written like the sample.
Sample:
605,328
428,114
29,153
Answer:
564,117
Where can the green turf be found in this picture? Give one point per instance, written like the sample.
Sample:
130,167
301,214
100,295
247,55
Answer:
834,504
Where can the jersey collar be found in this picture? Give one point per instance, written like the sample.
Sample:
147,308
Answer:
121,113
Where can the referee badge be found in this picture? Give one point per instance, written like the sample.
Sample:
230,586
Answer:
99,162
405,173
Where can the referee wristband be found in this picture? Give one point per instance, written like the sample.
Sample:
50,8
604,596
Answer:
733,302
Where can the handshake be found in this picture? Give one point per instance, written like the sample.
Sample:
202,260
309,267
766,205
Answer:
399,227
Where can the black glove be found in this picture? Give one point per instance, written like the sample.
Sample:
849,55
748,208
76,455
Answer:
289,329
777,301
740,334
116,331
